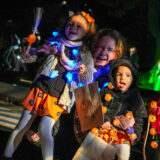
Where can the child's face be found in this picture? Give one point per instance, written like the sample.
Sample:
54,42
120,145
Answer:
76,28
123,78
104,51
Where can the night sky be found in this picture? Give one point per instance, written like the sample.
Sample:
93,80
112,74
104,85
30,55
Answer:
127,16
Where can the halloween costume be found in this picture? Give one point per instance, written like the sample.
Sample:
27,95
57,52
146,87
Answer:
52,96
119,104
45,88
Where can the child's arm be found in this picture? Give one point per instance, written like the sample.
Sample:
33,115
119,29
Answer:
66,62
140,115
113,106
47,48
126,123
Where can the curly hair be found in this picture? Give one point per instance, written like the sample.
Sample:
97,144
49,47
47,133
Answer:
121,45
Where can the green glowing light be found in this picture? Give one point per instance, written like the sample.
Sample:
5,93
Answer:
151,79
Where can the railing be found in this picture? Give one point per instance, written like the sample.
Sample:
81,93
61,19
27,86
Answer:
9,116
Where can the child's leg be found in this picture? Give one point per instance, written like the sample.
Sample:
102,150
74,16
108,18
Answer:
17,135
110,152
47,141
123,151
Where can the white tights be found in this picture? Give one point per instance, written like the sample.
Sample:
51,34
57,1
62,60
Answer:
45,131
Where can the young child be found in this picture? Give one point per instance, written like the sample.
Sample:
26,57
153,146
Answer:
51,93
120,98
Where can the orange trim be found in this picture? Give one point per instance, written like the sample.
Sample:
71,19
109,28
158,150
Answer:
42,103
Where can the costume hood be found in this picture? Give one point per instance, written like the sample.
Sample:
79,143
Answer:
123,61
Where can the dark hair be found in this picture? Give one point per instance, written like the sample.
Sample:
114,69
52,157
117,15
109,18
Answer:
124,61
121,45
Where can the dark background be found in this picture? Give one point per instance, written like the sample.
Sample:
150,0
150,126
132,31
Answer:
127,16
130,17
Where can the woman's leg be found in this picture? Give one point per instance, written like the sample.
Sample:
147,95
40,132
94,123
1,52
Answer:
47,141
17,134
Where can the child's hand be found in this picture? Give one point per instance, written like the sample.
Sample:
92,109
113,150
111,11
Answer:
106,125
133,137
124,122
33,136
83,69
47,48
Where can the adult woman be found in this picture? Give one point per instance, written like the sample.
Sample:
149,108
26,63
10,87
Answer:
108,44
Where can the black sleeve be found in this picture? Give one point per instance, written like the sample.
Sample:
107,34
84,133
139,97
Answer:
140,115
114,106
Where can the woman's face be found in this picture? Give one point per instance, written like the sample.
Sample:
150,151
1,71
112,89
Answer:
76,28
104,51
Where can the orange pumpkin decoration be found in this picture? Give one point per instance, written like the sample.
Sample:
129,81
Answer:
153,131
101,136
95,131
104,109
113,132
129,115
152,118
106,137
154,144
108,97
153,104
122,141
110,85
31,39
103,131
116,122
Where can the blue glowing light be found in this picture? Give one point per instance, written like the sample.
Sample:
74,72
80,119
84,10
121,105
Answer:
80,85
72,63
99,89
54,42
75,52
53,74
55,33
69,76
105,84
